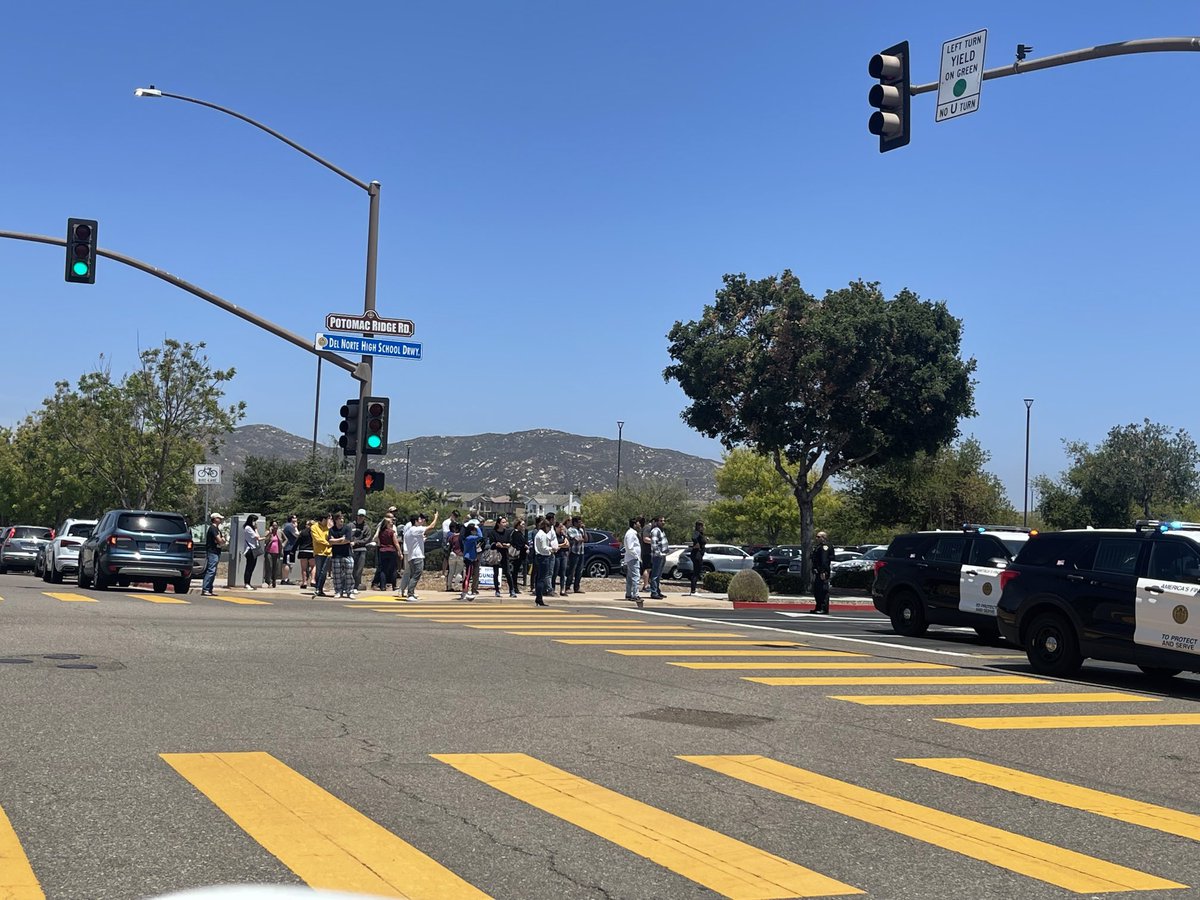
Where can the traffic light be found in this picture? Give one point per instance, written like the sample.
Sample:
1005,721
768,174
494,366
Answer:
349,428
372,481
375,426
890,97
81,251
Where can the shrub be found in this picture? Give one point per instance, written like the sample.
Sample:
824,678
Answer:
434,560
855,578
748,585
789,585
717,582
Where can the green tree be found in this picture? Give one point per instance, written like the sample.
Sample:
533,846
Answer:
756,504
612,510
1138,469
821,386
942,489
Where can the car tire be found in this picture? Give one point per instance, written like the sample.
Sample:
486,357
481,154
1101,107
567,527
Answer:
81,579
675,574
1159,673
707,567
596,568
55,575
3,569
160,586
1052,647
99,582
181,585
908,614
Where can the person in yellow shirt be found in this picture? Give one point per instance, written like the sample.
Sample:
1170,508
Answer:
322,550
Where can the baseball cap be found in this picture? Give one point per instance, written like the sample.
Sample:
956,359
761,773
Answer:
362,512
217,516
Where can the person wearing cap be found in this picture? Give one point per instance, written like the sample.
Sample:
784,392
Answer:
361,533
213,542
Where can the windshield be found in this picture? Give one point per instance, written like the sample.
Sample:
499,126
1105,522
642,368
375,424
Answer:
1013,544
152,524
30,531
81,529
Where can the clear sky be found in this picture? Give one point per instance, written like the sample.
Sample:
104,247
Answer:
562,181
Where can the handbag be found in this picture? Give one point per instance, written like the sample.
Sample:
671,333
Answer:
513,552
491,557
257,551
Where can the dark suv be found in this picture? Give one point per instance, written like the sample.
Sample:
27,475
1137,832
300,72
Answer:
1129,596
775,560
131,545
945,578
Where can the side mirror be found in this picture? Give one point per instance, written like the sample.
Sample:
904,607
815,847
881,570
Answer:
998,562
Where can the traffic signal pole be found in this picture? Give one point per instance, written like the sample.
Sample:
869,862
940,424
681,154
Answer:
1103,51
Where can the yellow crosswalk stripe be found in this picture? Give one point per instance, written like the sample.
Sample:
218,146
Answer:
991,699
636,626
742,666
1111,806
70,598
241,601
742,653
720,863
693,641
326,842
635,634
509,617
158,598
821,681
17,881
1017,853
1015,723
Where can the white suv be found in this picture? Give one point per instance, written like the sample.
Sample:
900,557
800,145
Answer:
62,556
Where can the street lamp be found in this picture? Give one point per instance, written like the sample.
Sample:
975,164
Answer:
363,372
407,457
620,426
1028,405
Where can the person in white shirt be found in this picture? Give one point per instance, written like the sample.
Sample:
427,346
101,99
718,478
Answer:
414,553
633,562
543,556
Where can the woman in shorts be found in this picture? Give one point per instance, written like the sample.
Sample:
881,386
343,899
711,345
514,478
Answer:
304,553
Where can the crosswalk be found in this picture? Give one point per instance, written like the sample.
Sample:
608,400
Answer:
328,843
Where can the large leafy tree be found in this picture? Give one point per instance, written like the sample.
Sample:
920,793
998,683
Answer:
612,510
822,385
1137,469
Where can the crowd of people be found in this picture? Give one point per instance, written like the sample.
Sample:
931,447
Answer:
546,560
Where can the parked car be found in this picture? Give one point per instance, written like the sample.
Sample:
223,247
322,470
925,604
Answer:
671,563
719,558
137,545
60,555
841,558
601,553
865,562
21,545
775,560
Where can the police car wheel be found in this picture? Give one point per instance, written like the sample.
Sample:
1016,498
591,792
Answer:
908,615
1159,673
1052,647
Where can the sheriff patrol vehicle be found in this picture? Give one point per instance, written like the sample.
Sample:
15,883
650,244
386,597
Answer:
945,577
1123,595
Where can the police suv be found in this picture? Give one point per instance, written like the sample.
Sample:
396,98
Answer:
945,578
1124,595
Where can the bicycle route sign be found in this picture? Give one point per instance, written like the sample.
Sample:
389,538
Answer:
206,473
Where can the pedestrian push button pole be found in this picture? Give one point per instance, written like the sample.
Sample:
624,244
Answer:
81,251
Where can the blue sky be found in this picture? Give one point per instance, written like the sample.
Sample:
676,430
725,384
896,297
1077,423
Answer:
563,181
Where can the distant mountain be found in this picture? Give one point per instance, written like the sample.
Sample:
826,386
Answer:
541,461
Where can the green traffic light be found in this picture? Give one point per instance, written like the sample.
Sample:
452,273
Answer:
80,268
374,441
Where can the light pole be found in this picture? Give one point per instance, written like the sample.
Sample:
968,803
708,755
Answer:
1028,406
407,457
363,372
620,426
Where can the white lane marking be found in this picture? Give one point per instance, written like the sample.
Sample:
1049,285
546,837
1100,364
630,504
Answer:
809,634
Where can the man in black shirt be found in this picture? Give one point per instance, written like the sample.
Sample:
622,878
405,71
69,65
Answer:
213,542
340,540
822,559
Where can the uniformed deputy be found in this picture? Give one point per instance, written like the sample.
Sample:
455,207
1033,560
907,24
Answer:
822,558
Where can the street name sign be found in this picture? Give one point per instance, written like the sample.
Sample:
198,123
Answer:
369,323
206,473
367,346
961,76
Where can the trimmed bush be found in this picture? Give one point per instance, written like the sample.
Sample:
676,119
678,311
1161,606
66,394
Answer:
788,585
748,585
717,582
860,579
434,560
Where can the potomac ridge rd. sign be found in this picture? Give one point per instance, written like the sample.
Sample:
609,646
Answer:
369,323
961,76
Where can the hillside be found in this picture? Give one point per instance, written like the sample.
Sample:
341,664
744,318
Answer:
541,461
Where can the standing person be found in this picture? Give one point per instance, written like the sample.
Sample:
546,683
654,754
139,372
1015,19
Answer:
477,520
822,560
645,528
414,553
253,548
213,542
341,542
322,552
542,560
658,556
578,536
518,552
274,550
472,539
304,553
452,519
502,543
562,549
696,554
454,557
633,562
291,537
376,579
389,555
360,534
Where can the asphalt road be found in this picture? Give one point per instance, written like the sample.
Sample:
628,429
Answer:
445,750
